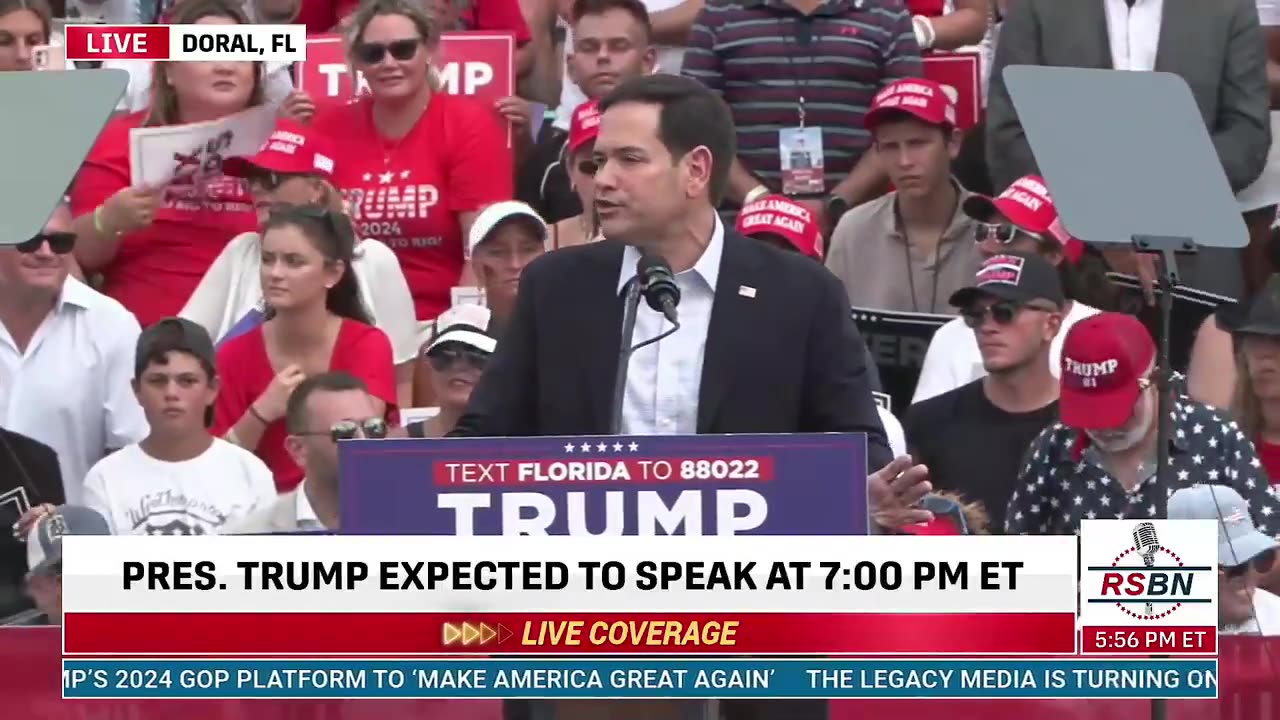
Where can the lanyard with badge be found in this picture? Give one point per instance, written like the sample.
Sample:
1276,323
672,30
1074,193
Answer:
800,147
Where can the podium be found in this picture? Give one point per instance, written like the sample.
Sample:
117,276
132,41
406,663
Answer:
796,484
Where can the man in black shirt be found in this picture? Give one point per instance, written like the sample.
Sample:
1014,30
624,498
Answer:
29,477
973,438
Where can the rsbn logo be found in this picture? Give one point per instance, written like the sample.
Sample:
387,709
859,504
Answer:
1148,580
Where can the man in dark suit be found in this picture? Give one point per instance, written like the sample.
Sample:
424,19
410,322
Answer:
766,343
1216,46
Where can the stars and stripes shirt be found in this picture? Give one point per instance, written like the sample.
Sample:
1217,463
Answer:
1064,482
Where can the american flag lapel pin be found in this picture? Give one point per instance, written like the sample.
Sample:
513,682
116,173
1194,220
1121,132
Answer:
746,291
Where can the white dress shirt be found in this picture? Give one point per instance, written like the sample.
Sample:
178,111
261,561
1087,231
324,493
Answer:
71,388
663,379
1134,33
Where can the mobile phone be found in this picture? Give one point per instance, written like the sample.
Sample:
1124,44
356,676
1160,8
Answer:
49,57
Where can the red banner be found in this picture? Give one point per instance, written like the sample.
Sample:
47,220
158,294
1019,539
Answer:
960,70
480,64
567,633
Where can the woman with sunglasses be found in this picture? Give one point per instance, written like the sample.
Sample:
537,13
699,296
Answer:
24,26
581,168
457,354
1022,219
417,164
315,323
152,245
293,168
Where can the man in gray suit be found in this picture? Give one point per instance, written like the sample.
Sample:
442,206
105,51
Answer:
1215,45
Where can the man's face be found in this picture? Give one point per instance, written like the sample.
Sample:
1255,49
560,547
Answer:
1011,335
41,271
916,155
998,236
641,190
316,451
45,589
1262,361
176,394
608,48
1135,429
501,258
1235,596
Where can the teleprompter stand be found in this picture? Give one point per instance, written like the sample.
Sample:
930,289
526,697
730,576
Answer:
1148,177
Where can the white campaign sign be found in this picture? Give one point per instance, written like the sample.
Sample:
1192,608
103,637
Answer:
186,154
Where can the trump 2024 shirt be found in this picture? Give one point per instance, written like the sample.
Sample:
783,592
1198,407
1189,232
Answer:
409,192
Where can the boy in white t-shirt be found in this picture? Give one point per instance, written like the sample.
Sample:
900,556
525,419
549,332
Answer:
180,480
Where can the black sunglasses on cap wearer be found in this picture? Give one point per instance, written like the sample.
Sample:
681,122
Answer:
1002,312
1261,564
372,53
269,180
371,429
1002,233
443,358
60,243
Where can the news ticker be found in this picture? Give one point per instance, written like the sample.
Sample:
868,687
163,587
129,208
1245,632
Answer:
556,678
538,595
178,43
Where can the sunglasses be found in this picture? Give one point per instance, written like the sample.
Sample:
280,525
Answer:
372,53
1261,564
1002,233
444,358
588,167
333,222
271,181
59,242
1002,313
371,429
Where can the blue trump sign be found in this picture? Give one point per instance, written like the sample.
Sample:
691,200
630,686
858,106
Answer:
613,485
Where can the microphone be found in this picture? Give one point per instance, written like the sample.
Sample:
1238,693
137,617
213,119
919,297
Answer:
658,285
1144,539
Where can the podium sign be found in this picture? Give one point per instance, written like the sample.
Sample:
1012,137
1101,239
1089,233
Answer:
898,342
665,485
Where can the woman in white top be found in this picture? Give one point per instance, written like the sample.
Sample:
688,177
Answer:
292,168
1021,219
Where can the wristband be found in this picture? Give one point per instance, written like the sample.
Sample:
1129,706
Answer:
925,34
99,226
754,194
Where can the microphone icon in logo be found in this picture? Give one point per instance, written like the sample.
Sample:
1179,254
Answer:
1146,543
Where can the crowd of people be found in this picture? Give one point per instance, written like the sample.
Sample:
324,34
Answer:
185,359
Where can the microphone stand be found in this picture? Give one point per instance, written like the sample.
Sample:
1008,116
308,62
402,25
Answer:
629,309
1166,247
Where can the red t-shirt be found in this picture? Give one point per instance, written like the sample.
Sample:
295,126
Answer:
156,269
245,372
408,193
1269,456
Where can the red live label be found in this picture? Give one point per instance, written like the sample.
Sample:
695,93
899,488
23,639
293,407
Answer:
117,42
1171,640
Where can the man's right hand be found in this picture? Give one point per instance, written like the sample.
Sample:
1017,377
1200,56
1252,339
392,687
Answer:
895,489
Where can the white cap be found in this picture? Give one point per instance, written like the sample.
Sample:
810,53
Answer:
466,324
490,217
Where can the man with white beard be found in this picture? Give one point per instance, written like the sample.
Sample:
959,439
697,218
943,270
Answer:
1099,461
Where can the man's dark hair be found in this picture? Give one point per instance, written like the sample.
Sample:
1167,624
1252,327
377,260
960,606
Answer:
295,415
690,115
634,8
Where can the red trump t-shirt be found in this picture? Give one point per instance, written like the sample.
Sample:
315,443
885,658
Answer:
156,268
408,193
245,371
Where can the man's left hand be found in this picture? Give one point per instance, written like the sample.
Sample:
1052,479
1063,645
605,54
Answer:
894,491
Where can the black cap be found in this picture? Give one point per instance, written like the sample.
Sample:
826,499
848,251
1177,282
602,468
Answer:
1020,277
175,335
1259,317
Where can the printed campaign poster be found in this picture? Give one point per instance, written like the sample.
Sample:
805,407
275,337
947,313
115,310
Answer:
480,64
192,154
898,342
962,71
795,484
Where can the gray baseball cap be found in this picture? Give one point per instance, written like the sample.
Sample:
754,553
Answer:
1238,539
44,541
